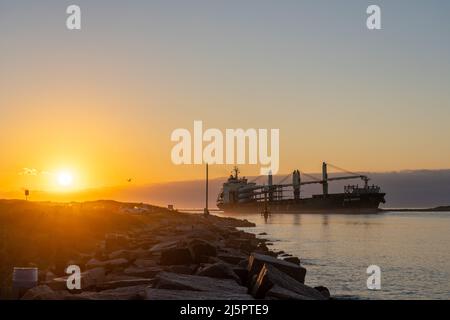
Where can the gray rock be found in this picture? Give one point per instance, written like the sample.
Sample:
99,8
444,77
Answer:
201,250
108,264
232,258
145,263
125,293
173,281
59,283
243,263
182,269
279,293
245,245
143,254
219,270
44,292
324,291
123,283
142,272
256,262
164,294
119,276
270,276
173,256
242,273
164,245
125,254
212,260
203,234
293,260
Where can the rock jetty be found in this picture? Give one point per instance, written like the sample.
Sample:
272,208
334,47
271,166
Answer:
183,256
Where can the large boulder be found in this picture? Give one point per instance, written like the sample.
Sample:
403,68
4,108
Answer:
44,292
324,291
279,293
233,258
243,263
257,261
113,264
293,260
124,293
157,248
93,277
201,250
164,294
142,272
269,277
183,269
173,281
123,283
219,270
125,254
203,234
144,244
242,273
246,245
145,263
173,256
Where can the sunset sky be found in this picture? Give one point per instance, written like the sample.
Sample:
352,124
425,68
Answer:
97,106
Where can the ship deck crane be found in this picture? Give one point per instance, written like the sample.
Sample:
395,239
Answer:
263,189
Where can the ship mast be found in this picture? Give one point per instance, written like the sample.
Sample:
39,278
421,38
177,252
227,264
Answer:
206,211
236,172
324,179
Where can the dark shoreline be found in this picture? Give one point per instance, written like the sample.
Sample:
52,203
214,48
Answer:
158,254
435,209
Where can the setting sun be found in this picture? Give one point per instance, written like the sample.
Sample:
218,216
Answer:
65,179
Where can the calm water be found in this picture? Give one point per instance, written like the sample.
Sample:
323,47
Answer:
412,250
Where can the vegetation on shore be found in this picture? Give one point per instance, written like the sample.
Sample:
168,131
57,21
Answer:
47,235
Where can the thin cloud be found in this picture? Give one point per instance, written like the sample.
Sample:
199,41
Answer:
34,172
29,172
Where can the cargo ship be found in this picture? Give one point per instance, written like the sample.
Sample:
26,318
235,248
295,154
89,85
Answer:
240,195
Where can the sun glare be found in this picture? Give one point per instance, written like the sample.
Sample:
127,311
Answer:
65,179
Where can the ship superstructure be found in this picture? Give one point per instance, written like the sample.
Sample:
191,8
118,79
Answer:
238,194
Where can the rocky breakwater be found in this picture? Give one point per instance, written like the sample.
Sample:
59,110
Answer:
182,256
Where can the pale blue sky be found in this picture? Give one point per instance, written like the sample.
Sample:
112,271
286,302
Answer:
369,100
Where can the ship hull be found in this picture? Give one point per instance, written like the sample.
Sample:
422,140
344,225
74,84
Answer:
332,203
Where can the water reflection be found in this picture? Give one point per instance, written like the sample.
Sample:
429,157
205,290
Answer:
410,248
297,219
325,220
